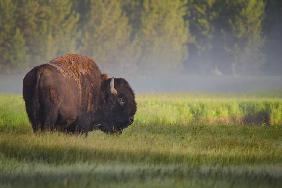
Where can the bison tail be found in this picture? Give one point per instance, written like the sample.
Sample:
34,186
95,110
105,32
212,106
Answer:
36,102
31,97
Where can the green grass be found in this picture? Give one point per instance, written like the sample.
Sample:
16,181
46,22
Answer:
192,109
177,140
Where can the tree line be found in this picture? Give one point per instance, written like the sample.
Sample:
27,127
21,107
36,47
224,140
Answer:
200,36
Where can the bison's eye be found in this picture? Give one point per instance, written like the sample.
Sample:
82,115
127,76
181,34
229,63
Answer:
121,101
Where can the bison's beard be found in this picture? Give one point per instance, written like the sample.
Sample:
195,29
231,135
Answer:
110,128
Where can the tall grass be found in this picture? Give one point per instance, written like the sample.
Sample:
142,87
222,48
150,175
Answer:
173,110
12,114
168,129
176,140
189,109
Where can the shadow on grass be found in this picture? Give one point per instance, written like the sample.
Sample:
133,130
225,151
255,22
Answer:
145,176
64,154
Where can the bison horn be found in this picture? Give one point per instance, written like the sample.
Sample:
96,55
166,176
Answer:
112,85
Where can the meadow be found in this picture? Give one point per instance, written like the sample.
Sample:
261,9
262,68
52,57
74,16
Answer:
179,140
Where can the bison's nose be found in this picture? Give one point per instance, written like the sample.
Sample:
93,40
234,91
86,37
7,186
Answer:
131,119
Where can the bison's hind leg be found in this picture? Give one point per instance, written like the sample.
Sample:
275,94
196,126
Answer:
35,126
32,118
49,119
50,109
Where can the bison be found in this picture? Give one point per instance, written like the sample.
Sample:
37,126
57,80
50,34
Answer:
70,94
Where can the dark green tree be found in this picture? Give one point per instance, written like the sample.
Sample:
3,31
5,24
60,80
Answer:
12,43
31,18
243,38
106,35
18,49
203,18
163,34
48,27
273,37
133,10
61,28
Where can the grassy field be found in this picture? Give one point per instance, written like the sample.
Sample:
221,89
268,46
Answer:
177,140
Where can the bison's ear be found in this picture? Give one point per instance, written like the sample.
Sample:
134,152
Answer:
104,77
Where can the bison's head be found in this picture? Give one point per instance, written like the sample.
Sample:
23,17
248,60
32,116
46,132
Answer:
119,105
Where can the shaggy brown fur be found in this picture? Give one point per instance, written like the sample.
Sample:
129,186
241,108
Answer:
67,95
79,69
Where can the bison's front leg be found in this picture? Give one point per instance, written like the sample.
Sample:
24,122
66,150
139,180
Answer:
83,125
109,128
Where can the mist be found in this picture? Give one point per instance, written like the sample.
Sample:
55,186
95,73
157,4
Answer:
178,83
175,49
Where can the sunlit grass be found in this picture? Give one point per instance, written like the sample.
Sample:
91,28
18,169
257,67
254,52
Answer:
188,146
201,109
176,140
12,114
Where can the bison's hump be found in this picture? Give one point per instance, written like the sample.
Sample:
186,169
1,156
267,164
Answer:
74,66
